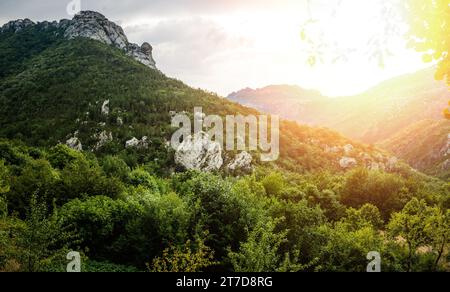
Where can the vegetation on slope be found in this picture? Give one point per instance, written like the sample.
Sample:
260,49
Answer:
130,210
424,145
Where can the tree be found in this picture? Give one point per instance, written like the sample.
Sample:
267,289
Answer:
388,192
437,227
37,177
367,215
98,220
4,188
140,177
219,208
273,183
61,155
420,225
43,239
84,176
113,166
344,249
192,258
300,222
260,253
429,22
4,178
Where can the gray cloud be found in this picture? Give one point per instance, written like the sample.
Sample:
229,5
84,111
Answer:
220,45
129,9
184,46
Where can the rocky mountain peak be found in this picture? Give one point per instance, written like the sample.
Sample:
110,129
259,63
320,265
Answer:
17,25
93,25
96,26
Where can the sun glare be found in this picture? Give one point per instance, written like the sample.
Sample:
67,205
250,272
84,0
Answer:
339,47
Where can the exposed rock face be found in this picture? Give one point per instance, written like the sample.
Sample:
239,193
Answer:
333,149
75,144
102,139
347,162
392,163
446,165
348,148
242,161
17,25
446,149
93,25
139,144
376,166
142,54
198,152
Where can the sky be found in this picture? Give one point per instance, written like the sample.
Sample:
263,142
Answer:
227,45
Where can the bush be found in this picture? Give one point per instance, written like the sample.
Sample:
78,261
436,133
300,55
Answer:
113,166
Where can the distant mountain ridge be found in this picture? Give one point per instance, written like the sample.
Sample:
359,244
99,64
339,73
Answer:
370,117
76,83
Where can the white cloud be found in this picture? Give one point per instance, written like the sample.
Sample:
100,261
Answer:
225,45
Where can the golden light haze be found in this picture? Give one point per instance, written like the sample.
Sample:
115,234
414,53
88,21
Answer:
258,43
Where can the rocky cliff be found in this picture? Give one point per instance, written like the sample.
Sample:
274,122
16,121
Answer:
93,25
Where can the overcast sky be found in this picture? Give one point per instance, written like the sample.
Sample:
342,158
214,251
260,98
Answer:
227,45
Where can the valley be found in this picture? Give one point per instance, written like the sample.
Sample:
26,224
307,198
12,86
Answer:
86,124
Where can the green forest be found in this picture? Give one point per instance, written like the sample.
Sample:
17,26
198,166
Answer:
136,210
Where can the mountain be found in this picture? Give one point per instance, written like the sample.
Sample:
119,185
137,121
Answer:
370,117
425,145
86,172
80,82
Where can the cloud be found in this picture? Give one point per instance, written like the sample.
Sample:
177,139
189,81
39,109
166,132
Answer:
186,45
127,10
225,45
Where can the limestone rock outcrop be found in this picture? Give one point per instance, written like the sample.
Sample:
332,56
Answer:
93,25
198,152
347,162
138,144
242,161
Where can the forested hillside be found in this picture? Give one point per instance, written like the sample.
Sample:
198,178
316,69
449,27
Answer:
372,116
425,145
68,181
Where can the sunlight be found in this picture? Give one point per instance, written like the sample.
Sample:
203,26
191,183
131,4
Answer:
354,45
339,47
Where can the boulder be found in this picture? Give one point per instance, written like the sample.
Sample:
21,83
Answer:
242,161
347,162
75,144
103,138
138,144
392,163
198,152
348,148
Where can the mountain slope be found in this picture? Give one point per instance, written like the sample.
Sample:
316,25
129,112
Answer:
117,198
60,92
425,145
370,117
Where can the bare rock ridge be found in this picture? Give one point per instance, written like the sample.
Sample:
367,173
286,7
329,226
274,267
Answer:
93,25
